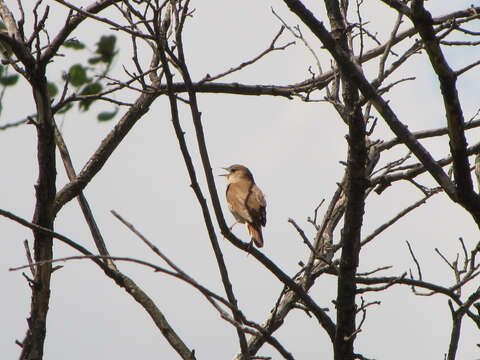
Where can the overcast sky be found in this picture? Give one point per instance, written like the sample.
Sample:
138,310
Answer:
293,149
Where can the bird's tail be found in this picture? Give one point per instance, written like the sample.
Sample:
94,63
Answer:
256,234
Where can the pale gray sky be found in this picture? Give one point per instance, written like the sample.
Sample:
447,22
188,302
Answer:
293,150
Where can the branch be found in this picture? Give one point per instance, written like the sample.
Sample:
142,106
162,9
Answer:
87,212
71,24
270,49
399,6
383,287
355,191
319,313
14,38
397,217
106,148
381,65
162,44
466,68
415,260
179,272
414,170
447,77
10,22
369,92
45,189
123,281
55,235
455,333
436,289
317,82
424,134
302,235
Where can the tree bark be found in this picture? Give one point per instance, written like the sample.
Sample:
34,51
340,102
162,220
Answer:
44,216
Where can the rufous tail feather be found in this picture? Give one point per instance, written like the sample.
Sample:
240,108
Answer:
256,234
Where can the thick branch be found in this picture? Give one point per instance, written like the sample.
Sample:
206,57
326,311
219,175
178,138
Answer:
455,121
369,92
122,280
44,216
106,148
13,37
191,171
82,201
455,333
356,185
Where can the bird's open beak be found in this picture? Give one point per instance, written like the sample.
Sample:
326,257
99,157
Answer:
226,169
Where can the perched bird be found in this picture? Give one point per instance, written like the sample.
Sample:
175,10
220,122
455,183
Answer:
246,201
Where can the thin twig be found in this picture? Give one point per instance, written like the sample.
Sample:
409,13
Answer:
29,258
244,64
302,235
415,260
397,217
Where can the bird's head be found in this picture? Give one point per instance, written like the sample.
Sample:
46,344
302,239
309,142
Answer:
237,173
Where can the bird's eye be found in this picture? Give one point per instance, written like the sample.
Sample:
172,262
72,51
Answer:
233,169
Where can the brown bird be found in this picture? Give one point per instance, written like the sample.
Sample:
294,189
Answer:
246,201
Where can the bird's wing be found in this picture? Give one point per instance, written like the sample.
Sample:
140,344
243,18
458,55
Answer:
257,206
236,196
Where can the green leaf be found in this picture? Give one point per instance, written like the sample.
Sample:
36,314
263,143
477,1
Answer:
74,44
94,60
52,89
107,115
78,75
90,89
106,49
9,80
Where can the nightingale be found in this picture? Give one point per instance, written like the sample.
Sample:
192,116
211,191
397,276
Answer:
246,201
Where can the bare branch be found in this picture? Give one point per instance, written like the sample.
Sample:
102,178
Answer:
458,144
298,35
87,212
122,280
398,217
271,48
466,68
444,259
29,258
375,271
302,235
369,92
315,213
91,14
427,134
383,59
455,333
415,260
188,162
106,148
414,170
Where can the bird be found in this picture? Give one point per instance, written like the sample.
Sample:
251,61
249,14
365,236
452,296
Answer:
246,201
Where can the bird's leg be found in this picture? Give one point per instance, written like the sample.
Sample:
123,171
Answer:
231,227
